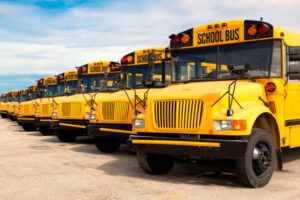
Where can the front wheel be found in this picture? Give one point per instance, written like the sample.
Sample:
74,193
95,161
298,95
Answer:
29,127
65,136
256,168
107,145
154,163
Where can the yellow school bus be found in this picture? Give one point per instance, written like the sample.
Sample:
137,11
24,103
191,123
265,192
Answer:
246,110
12,105
66,86
47,90
111,121
95,80
26,114
3,104
23,98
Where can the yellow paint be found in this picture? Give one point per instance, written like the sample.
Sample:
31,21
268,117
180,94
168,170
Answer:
29,119
72,125
179,143
115,130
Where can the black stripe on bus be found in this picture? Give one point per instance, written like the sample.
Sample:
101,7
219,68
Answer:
292,122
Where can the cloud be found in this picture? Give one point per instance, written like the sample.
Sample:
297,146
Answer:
35,40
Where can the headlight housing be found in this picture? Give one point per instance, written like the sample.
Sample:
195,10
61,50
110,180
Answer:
139,123
54,114
93,117
230,125
15,111
87,115
37,112
20,113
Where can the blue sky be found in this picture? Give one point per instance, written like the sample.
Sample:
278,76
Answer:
40,38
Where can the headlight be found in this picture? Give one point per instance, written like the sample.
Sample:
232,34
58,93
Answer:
87,115
139,123
220,125
54,114
20,113
15,111
93,117
37,113
234,125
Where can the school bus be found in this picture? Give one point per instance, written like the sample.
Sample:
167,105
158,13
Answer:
246,113
94,81
3,104
66,86
23,98
12,105
45,103
111,121
26,114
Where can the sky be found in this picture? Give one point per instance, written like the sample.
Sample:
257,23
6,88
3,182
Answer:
42,38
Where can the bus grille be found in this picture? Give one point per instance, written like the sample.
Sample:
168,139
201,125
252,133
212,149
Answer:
26,109
45,109
70,109
178,114
116,111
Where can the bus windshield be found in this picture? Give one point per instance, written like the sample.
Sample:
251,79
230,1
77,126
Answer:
71,86
32,95
24,97
133,76
16,98
52,91
3,99
211,63
60,88
95,82
41,91
9,98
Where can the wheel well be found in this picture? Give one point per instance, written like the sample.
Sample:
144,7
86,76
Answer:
266,121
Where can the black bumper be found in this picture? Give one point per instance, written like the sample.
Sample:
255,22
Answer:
228,149
26,120
45,121
93,130
3,112
70,125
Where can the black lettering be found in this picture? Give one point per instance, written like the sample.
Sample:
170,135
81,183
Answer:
203,39
212,37
232,34
221,39
199,38
237,35
217,36
227,35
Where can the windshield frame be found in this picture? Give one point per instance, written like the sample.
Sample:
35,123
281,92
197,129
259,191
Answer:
217,78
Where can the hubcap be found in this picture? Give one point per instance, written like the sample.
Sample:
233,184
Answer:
261,159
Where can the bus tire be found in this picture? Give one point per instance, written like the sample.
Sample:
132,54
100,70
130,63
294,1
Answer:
65,136
28,127
45,130
3,115
107,145
154,164
256,167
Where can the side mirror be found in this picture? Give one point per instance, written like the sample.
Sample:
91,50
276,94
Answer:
294,53
294,72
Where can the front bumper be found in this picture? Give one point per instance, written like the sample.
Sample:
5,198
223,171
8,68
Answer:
26,120
76,125
3,112
45,121
204,148
12,116
110,130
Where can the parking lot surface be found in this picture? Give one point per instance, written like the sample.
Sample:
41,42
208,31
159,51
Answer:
40,167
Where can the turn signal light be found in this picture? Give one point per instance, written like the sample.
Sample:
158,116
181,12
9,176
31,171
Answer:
83,69
169,55
239,125
185,38
263,29
252,30
129,59
270,87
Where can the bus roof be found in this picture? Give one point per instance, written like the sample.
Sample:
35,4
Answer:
140,57
233,31
99,68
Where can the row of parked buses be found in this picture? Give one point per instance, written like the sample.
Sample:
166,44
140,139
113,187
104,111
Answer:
226,91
